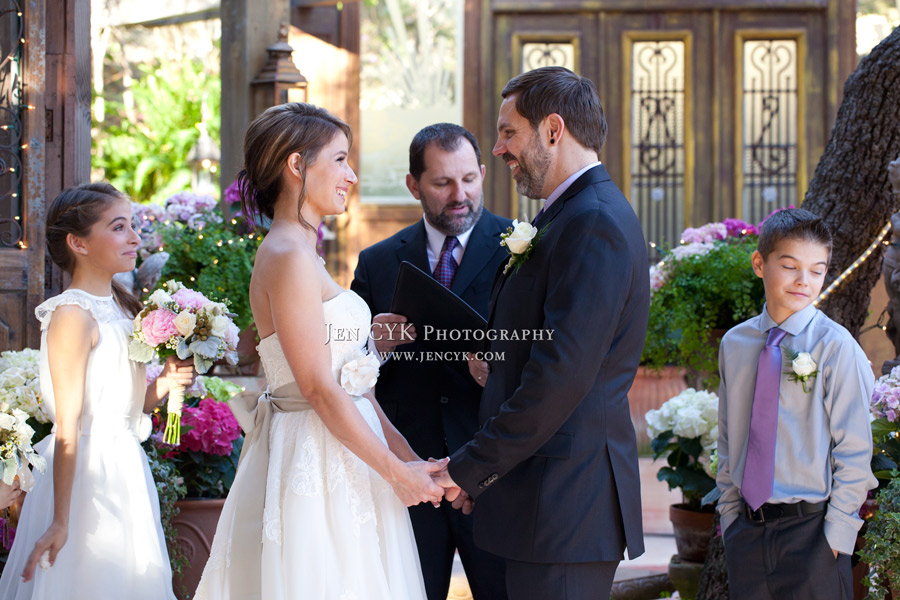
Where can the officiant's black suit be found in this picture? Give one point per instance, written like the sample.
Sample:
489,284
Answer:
554,468
435,404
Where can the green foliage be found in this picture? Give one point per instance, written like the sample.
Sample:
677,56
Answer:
881,550
204,260
170,488
684,468
143,150
702,293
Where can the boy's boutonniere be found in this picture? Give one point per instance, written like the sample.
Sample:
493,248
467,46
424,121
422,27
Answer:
520,239
803,367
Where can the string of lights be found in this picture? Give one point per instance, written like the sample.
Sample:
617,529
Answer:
855,264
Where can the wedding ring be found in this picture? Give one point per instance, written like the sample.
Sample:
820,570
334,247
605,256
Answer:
478,378
44,563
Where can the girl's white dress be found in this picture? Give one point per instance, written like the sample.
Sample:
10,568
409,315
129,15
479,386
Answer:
116,548
306,519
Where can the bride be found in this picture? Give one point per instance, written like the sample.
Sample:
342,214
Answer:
317,509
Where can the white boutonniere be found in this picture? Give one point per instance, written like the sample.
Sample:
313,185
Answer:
803,367
520,239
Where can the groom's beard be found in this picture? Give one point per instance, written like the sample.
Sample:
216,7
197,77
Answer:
533,164
453,225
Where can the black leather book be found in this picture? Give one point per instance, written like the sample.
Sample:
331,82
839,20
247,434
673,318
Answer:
443,320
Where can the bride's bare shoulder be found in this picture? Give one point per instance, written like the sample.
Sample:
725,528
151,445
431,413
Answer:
282,255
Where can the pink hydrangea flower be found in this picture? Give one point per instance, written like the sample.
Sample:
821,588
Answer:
708,233
214,428
189,299
158,327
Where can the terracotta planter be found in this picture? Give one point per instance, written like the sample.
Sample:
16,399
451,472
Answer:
692,532
196,524
649,391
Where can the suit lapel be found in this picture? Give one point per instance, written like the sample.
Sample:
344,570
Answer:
589,177
413,248
483,243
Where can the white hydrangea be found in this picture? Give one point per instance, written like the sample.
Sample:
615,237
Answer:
20,386
690,414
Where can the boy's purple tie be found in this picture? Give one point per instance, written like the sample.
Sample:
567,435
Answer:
446,267
759,468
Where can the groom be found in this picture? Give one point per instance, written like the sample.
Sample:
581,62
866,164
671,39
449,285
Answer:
553,470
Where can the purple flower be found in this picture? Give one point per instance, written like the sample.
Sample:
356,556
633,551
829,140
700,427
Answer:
184,205
739,228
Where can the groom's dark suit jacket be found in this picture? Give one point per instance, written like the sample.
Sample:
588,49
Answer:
554,467
431,403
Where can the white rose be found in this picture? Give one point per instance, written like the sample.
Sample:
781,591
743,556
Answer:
220,326
803,365
521,236
7,422
185,322
359,375
160,297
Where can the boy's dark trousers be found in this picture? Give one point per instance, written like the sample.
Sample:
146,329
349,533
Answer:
785,558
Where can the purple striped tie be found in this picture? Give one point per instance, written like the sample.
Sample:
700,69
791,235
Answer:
759,468
445,270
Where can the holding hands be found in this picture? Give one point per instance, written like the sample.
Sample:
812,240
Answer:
454,494
413,482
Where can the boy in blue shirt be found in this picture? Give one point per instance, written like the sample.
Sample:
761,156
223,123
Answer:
795,442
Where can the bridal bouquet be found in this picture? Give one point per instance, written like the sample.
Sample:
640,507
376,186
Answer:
179,321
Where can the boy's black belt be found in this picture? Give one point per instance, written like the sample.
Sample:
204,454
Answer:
768,511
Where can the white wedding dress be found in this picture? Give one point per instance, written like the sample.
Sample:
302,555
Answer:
331,527
115,547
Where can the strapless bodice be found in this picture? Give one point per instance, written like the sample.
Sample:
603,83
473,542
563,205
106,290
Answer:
347,323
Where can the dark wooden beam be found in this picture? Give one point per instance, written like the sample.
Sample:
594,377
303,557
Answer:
651,5
248,28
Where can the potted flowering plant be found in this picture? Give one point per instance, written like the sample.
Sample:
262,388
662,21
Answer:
700,289
885,409
685,430
200,471
207,250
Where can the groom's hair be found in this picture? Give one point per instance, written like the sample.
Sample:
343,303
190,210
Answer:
447,137
549,90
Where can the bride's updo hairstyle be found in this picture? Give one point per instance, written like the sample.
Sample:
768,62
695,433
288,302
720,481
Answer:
276,134
75,211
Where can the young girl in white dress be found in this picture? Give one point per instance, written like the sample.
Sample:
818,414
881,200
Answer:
90,527
317,509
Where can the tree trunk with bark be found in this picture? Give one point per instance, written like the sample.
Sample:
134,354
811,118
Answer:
850,189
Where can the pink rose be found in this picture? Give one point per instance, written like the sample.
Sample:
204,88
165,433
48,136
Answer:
189,299
158,327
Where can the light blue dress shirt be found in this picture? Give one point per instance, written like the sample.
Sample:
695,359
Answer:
823,444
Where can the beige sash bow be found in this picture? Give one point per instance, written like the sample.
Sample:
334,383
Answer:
246,500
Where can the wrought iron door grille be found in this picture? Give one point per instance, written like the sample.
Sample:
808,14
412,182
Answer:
770,126
658,138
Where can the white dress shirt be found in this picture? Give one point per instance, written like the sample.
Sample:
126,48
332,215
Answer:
435,243
823,444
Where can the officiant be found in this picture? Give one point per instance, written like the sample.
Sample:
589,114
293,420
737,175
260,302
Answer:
434,404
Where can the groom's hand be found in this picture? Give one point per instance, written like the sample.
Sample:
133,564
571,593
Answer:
443,479
390,330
